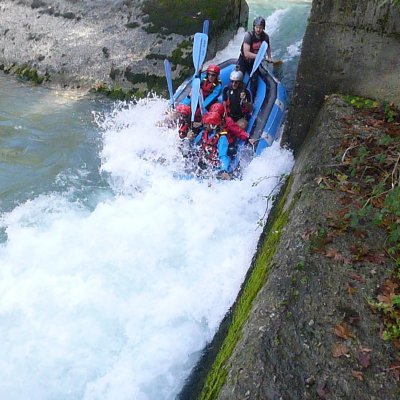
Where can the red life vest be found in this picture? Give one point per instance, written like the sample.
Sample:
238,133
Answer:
208,87
209,146
255,45
183,128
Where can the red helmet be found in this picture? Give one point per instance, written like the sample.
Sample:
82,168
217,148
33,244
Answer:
212,118
183,109
218,108
214,69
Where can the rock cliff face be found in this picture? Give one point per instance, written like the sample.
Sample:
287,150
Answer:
349,46
107,44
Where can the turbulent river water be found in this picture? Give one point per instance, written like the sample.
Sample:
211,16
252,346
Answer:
113,273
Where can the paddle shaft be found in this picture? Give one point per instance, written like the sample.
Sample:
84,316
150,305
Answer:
167,67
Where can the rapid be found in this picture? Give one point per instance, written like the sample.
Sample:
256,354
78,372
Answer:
114,274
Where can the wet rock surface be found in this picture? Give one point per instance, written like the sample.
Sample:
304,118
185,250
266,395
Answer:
312,333
88,43
78,43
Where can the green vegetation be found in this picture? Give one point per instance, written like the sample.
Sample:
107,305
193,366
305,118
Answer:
218,373
27,73
186,16
118,93
183,54
368,175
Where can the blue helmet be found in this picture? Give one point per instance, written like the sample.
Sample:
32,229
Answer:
259,21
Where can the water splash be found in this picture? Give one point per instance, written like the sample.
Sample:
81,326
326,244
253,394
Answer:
118,301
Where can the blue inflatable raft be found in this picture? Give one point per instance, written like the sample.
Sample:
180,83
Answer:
269,104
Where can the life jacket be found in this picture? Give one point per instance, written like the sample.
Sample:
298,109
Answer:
234,103
255,43
209,145
183,128
208,87
234,131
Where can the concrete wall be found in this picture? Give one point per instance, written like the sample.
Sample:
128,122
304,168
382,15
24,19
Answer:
351,47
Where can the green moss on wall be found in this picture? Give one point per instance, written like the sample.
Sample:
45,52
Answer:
119,93
219,370
27,73
186,16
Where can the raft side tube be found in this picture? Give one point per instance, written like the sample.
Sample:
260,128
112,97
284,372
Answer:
274,121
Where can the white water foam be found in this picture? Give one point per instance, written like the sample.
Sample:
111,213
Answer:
294,50
117,303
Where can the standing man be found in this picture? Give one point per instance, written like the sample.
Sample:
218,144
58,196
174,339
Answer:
251,44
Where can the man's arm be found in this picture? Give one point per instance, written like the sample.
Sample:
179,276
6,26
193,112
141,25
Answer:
269,58
247,53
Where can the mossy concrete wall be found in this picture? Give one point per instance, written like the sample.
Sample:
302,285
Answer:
350,46
281,344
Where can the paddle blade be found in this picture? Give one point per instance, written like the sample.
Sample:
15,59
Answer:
167,67
201,103
259,58
194,98
206,25
276,63
199,51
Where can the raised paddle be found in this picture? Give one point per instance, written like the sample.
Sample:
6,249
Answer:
194,97
201,103
167,67
206,25
199,51
260,56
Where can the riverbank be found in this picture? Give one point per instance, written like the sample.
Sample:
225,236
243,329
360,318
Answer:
314,329
117,48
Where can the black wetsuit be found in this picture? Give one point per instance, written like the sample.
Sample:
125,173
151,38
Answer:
235,107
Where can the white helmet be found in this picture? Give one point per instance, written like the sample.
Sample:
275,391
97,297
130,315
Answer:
236,76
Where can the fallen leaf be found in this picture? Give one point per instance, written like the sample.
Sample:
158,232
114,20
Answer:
353,319
394,368
364,359
376,258
375,122
356,277
385,299
339,350
389,287
396,343
306,235
343,331
357,374
333,253
350,289
322,391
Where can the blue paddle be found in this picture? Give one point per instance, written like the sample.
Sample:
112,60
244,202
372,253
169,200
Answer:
206,25
259,58
201,103
199,51
194,98
167,67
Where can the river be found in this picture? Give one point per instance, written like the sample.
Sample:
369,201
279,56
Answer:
114,274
